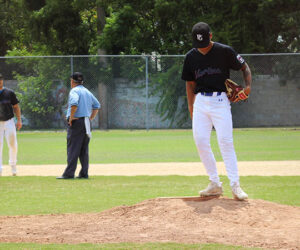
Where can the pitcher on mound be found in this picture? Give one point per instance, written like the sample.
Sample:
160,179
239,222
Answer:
205,69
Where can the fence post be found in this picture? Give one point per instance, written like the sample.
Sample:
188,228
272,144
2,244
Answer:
147,95
72,67
103,112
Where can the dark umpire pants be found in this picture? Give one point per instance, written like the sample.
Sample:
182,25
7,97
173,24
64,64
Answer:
77,147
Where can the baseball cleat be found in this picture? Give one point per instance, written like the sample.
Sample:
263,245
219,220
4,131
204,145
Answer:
238,192
14,174
213,189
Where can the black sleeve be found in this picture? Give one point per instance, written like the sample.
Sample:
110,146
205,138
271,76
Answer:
187,74
13,98
235,61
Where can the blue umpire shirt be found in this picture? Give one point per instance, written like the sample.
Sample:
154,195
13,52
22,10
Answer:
84,100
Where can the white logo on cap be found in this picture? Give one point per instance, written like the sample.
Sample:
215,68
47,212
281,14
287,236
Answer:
199,37
241,59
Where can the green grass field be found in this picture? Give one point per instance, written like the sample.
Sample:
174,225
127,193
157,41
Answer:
123,146
44,195
28,195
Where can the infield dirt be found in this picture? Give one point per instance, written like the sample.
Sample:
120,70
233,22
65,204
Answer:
252,223
262,168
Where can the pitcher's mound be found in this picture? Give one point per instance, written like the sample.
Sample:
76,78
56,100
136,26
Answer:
252,223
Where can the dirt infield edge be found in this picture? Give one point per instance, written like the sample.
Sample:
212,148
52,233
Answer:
246,168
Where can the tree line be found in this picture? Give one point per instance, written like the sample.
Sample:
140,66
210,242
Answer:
80,27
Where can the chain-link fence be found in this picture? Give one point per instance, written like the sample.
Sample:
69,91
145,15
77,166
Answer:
146,92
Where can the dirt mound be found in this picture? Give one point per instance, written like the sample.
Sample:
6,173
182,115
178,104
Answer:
253,223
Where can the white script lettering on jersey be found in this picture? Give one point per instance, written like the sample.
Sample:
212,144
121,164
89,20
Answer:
241,59
199,37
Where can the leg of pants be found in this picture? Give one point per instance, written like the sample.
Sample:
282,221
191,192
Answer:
216,111
202,126
222,121
1,143
75,140
84,157
11,139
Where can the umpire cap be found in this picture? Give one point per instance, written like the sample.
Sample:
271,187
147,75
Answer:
77,77
201,33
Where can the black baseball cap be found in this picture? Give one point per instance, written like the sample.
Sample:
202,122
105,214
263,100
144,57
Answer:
1,77
77,77
201,33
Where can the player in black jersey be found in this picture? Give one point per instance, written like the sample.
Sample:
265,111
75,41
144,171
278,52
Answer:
9,106
205,69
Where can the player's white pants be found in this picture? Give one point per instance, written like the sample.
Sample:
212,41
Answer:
8,129
215,111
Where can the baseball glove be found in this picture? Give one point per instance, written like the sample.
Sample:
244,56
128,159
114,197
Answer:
235,92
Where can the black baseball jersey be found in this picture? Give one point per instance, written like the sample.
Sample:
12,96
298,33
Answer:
7,100
211,70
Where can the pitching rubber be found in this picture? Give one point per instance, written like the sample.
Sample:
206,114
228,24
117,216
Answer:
193,198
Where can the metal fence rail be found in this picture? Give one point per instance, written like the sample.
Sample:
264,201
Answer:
146,91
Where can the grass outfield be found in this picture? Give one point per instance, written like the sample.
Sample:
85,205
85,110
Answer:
124,146
46,195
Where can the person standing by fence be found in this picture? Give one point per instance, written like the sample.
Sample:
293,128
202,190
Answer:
82,109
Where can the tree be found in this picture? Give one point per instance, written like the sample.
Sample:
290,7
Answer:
52,27
41,89
135,27
48,27
11,23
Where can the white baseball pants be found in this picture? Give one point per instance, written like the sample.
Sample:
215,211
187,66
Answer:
215,111
8,129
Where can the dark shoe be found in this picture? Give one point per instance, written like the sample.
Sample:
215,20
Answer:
82,177
64,177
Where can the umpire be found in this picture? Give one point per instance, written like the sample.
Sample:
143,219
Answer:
82,108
